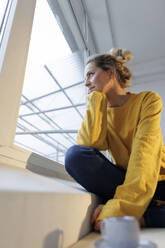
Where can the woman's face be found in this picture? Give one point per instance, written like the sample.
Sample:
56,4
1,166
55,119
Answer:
95,77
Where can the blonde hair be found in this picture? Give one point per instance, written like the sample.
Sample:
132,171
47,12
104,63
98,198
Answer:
115,58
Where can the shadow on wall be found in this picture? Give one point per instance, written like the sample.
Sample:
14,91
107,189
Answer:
54,239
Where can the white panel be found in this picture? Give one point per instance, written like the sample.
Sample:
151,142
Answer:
21,122
34,143
60,138
24,110
67,119
47,44
74,135
68,70
77,94
82,109
37,81
54,101
36,121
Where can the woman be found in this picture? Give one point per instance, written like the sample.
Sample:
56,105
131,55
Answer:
128,125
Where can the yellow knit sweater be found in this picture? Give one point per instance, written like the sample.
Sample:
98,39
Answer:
132,135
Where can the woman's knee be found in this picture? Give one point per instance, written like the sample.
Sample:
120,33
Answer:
75,156
72,156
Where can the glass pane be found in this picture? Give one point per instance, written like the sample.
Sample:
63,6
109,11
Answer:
82,109
34,143
56,100
62,69
77,94
67,118
38,82
53,84
4,12
63,139
24,110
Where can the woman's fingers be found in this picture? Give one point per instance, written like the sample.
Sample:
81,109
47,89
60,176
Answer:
94,216
142,222
96,213
97,226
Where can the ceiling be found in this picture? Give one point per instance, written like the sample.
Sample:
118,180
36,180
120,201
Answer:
99,25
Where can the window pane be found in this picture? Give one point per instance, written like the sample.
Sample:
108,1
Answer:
54,96
4,12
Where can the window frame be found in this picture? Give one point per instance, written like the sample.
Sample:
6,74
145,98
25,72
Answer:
13,59
11,83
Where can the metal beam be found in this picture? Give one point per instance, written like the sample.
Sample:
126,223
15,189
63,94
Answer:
52,110
29,148
50,137
51,93
51,122
53,77
41,138
68,137
46,132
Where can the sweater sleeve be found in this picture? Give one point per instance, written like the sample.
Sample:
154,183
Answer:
93,130
134,195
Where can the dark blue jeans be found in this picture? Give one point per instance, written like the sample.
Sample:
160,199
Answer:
98,175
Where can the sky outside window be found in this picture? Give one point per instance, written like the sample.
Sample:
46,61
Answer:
49,49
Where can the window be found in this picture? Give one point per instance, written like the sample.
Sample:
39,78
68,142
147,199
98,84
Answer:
54,96
5,25
4,13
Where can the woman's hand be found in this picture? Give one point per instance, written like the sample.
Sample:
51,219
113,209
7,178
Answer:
97,224
94,217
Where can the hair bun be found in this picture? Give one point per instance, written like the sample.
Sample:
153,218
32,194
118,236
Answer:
122,55
127,55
